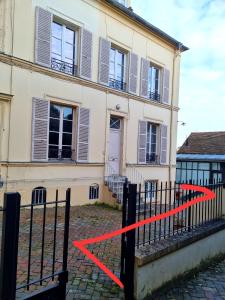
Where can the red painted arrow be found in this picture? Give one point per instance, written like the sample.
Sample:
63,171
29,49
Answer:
208,194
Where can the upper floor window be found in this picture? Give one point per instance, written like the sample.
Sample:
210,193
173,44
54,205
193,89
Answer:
152,143
117,73
60,132
63,49
154,82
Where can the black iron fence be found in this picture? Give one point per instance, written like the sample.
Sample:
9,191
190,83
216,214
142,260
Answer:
34,263
140,205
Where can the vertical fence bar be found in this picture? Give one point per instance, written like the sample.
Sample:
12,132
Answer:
123,237
30,245
189,209
63,277
130,253
9,248
54,235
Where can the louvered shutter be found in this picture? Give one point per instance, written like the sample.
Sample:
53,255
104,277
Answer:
86,54
142,142
133,73
166,83
104,58
83,134
43,37
40,129
144,77
163,156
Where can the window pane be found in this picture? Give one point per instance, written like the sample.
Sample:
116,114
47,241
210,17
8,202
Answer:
66,152
53,152
54,111
112,55
69,51
153,148
54,125
56,46
67,113
57,30
53,138
203,166
67,126
67,139
114,123
69,36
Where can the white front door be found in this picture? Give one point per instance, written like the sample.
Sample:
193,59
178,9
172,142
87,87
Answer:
115,145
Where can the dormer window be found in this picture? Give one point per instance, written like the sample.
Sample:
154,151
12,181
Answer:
63,49
117,73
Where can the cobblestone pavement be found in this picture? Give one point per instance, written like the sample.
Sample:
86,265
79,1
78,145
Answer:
208,284
86,280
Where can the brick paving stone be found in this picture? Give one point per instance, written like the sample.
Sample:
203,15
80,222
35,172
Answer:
86,280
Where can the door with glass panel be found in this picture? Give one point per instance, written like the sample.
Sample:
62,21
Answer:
114,158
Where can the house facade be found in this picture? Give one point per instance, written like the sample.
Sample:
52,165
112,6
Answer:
202,158
88,91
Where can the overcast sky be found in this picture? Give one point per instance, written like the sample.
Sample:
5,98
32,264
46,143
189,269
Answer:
200,25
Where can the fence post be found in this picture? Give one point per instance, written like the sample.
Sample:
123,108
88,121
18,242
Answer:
9,247
189,209
130,247
63,277
123,237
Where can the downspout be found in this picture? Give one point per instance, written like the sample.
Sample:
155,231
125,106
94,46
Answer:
176,54
12,20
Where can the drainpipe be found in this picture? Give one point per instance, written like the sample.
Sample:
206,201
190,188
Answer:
176,54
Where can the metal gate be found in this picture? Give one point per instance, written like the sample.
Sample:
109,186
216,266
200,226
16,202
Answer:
44,286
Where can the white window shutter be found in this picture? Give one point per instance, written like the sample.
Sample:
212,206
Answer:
43,37
40,129
104,59
133,73
142,142
164,139
83,134
86,54
166,84
144,77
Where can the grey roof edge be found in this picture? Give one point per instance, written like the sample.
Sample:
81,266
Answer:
148,25
202,157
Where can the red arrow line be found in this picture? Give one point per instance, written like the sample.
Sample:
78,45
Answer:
208,194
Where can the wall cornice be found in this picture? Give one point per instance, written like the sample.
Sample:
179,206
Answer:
18,62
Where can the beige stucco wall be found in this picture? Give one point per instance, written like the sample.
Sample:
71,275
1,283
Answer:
24,81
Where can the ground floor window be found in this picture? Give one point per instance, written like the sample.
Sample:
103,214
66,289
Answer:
94,191
151,146
60,132
39,195
199,171
150,190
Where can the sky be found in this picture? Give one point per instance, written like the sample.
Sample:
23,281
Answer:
200,25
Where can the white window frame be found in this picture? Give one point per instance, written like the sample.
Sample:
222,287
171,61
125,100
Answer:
150,141
61,130
75,46
124,79
150,80
148,193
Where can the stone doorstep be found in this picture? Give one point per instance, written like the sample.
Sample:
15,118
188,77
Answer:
150,253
